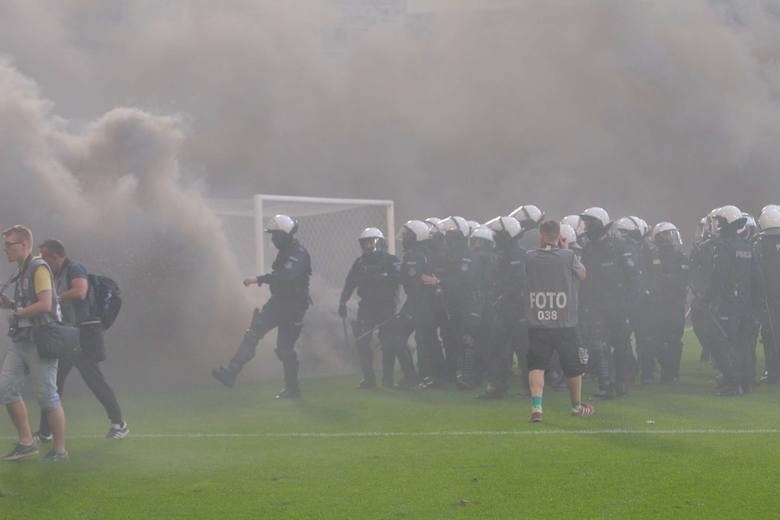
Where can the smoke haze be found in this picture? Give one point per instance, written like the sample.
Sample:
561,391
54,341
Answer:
118,117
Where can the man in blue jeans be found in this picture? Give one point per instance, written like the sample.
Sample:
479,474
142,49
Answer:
34,304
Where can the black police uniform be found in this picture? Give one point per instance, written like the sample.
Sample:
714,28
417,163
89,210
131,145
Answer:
480,297
767,253
511,334
729,302
704,326
455,282
289,285
418,313
376,277
608,297
661,316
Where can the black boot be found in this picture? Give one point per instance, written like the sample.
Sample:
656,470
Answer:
225,376
291,389
388,367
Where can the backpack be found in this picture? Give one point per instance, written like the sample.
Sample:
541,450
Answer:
105,302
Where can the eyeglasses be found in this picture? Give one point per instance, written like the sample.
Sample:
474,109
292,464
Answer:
8,245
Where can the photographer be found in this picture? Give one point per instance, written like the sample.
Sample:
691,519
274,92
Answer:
72,286
34,304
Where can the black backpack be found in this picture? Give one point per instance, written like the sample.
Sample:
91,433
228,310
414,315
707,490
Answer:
105,301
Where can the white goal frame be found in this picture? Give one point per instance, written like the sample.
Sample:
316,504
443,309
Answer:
286,204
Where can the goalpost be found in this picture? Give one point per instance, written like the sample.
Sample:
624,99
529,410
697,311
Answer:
328,228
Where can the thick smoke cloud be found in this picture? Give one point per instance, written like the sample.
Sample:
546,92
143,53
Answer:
661,108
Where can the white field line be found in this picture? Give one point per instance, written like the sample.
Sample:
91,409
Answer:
476,433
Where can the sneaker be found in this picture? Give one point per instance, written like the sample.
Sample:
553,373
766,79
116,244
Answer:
118,433
224,376
289,394
21,451
39,437
536,416
55,456
585,410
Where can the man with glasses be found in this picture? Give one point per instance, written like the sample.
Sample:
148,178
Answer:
34,304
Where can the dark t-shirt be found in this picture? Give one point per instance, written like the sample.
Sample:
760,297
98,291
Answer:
73,311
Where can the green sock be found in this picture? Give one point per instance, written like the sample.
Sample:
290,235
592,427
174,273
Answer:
575,405
536,401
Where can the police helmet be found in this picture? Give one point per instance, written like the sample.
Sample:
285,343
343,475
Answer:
595,221
417,230
597,214
528,215
641,225
473,224
282,224
770,207
575,222
371,239
769,219
568,234
728,216
435,225
750,228
508,225
457,225
482,238
666,233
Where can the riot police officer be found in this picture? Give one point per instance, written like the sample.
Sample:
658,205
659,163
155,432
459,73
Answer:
663,284
376,277
608,296
511,335
767,252
479,314
289,285
529,217
729,300
701,264
418,313
455,282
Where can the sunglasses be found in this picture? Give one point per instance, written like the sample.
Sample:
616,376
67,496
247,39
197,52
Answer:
7,245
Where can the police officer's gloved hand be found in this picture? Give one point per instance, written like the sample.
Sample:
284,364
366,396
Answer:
343,310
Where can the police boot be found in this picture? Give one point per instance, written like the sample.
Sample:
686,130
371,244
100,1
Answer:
388,367
605,390
291,389
465,380
492,392
225,376
244,354
410,378
365,354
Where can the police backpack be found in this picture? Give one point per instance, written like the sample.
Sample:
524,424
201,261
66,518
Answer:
105,301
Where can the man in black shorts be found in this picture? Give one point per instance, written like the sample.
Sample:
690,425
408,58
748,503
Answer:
553,282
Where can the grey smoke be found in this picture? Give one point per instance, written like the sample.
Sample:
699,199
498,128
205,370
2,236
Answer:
662,109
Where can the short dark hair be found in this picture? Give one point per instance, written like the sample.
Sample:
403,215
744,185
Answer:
21,232
550,230
53,246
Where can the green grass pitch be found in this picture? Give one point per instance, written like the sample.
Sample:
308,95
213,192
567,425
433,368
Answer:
653,454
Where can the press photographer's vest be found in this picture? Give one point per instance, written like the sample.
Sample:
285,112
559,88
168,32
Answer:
24,296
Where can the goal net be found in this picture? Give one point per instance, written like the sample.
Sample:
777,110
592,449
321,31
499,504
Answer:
328,228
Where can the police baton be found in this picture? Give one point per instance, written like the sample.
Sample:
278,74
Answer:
377,327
